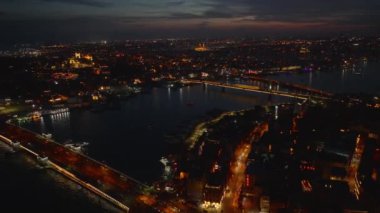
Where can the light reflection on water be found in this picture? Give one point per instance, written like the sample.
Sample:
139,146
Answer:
132,139
27,188
362,78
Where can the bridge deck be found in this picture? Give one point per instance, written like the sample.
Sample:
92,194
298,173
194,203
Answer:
83,169
293,85
257,89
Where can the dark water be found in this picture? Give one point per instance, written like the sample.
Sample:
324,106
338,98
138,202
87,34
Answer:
24,187
133,138
363,78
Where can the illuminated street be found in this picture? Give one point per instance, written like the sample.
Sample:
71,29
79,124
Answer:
188,106
230,203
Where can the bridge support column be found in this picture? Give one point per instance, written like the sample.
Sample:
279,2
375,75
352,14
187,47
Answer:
204,86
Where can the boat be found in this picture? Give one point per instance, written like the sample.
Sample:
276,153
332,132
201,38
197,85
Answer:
55,111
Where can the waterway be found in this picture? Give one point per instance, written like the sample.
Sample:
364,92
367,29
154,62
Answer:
135,136
26,187
361,78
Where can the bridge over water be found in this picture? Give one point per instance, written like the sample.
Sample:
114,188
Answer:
110,184
269,87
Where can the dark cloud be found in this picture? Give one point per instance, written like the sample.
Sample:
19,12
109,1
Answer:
298,10
175,3
218,14
91,3
183,16
55,30
148,18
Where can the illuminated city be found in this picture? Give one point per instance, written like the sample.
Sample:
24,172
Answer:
190,106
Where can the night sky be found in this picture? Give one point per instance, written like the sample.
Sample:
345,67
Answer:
66,20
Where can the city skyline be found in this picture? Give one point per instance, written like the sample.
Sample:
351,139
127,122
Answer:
187,106
225,125
79,20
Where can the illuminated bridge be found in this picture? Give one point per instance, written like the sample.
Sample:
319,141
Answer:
270,87
113,186
292,86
